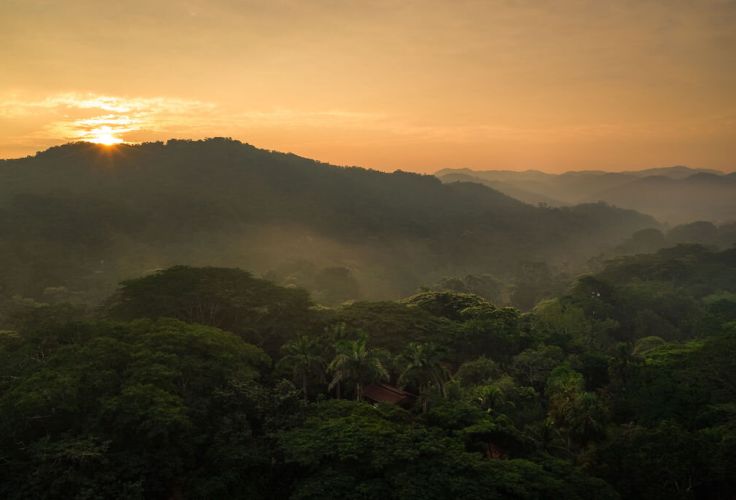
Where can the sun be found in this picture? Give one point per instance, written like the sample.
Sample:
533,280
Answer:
104,135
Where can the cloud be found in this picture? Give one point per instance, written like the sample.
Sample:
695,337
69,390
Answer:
79,116
84,116
31,123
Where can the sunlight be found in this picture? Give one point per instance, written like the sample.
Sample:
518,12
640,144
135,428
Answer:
103,135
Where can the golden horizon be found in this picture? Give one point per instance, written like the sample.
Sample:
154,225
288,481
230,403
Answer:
386,85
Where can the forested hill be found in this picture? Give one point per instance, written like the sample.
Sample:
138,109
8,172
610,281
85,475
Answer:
674,195
211,383
81,217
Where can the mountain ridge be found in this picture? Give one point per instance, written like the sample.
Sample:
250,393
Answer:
682,194
83,216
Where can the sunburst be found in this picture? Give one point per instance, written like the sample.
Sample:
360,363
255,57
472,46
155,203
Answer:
104,135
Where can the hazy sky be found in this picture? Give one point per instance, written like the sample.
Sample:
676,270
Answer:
417,85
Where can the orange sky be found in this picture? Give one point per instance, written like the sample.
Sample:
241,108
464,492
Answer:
416,85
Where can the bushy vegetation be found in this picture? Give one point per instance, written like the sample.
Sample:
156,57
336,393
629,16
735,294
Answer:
211,383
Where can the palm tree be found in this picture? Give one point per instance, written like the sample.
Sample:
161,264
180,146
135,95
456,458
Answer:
355,362
304,359
588,418
424,367
580,415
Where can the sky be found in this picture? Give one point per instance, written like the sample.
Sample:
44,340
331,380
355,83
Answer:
387,84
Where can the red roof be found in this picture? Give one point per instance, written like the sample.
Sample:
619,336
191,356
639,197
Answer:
382,393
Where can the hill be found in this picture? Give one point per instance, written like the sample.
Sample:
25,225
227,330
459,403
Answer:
78,218
674,195
211,383
701,196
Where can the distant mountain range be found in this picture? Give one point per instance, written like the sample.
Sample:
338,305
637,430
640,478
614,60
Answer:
674,195
81,217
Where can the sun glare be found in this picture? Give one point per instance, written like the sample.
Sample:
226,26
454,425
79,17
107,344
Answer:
104,135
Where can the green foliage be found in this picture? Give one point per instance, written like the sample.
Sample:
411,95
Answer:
684,381
303,358
496,333
681,396
580,415
448,305
533,366
259,311
128,409
485,286
357,453
391,325
630,376
423,367
355,363
564,324
477,372
659,295
664,461
505,397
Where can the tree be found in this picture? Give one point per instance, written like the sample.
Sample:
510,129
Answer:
391,325
563,324
354,451
304,360
355,362
646,344
498,333
446,304
424,368
504,396
262,313
533,366
485,286
147,408
479,371
664,461
579,414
